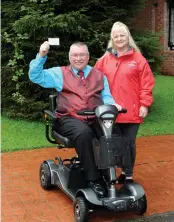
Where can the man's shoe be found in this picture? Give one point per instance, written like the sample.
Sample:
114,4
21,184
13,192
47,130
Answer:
128,181
97,188
121,179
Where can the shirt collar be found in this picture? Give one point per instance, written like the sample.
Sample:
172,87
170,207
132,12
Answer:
114,52
76,71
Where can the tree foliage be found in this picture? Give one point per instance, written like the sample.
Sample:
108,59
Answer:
28,23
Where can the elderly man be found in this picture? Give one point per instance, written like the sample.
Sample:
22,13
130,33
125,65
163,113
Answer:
80,87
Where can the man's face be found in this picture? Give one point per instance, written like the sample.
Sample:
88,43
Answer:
78,57
120,39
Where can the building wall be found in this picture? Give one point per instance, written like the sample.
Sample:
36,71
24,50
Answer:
154,17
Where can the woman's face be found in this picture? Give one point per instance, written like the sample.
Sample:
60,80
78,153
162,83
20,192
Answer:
120,39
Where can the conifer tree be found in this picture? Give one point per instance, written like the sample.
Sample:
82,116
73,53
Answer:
28,23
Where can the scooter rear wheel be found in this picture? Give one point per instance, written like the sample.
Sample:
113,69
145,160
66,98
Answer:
45,176
80,210
141,205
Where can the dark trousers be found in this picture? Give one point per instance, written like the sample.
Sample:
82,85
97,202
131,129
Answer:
129,130
81,134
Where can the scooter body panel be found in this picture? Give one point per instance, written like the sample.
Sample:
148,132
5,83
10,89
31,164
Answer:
68,180
132,189
126,195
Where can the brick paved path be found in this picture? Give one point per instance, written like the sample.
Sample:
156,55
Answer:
23,200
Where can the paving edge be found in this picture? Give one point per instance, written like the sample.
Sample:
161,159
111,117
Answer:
167,216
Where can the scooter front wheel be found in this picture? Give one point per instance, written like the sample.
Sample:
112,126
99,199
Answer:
80,210
141,206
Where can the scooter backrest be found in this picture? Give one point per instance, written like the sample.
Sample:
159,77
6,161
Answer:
52,102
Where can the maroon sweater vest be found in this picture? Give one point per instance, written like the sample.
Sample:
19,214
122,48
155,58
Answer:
78,94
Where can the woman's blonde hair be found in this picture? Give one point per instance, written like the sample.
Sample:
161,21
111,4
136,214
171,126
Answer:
118,25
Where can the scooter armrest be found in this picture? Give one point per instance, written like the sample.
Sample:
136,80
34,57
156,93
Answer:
50,114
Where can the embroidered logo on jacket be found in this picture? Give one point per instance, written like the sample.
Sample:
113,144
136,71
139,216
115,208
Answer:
132,64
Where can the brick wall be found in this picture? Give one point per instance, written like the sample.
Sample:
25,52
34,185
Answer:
144,20
154,17
168,65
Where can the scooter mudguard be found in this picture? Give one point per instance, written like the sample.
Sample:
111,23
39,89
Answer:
132,189
53,167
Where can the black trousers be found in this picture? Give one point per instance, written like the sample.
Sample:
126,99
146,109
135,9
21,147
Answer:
129,130
81,133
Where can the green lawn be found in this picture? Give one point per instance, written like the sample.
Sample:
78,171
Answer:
161,119
17,135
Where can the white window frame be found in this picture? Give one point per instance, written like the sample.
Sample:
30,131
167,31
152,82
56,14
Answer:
171,25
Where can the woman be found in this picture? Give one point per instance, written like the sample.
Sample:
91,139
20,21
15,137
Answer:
131,82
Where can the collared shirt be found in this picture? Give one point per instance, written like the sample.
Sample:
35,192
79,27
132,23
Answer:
53,78
86,71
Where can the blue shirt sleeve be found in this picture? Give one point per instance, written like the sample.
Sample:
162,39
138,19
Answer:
53,78
106,94
47,78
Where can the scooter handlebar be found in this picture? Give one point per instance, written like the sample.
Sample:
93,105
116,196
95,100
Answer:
88,112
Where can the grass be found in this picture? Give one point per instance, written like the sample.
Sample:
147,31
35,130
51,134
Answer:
22,135
161,120
18,135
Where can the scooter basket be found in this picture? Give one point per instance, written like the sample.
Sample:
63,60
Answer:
110,152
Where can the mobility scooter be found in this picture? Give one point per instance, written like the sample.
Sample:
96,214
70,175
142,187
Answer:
110,151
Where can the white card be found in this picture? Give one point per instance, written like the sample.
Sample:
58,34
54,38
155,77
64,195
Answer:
53,41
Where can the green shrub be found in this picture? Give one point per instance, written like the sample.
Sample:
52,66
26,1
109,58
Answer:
28,23
149,43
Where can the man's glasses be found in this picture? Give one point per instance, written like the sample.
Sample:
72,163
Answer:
81,55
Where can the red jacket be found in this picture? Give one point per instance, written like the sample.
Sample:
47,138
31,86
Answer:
131,82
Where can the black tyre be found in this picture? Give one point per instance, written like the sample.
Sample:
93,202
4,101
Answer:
80,210
141,206
45,176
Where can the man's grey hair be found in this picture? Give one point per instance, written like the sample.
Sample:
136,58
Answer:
79,44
